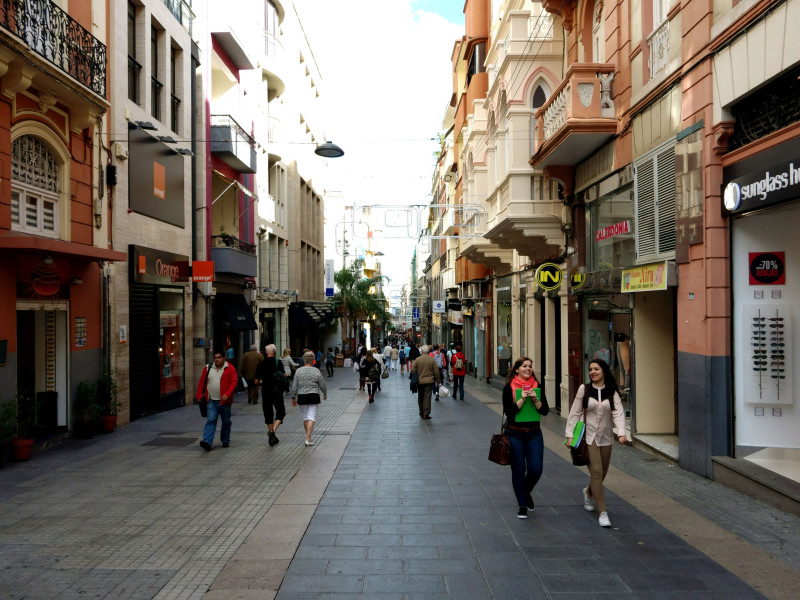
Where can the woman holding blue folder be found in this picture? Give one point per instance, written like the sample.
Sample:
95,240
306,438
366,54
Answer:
600,399
524,402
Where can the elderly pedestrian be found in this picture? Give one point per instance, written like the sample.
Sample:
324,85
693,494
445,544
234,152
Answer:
216,387
599,398
247,369
308,390
272,390
395,357
428,374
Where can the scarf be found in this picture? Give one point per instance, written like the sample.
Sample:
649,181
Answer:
518,383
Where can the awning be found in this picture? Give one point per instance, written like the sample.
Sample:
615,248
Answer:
235,311
304,313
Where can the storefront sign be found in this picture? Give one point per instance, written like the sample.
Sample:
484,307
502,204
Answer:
646,278
454,316
778,183
549,276
438,306
329,278
203,270
767,268
611,231
156,178
576,279
156,266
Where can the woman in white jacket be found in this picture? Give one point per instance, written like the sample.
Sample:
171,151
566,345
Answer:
600,398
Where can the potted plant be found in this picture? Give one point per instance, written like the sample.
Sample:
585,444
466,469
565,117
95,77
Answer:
107,393
25,413
8,425
87,409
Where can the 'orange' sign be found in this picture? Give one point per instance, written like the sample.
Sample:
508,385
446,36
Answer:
203,270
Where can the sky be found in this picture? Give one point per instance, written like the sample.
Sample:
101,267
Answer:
387,80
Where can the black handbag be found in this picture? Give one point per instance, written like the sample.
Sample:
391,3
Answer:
500,447
203,399
580,454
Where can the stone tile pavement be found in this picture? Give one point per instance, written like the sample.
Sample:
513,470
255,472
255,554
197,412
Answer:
384,506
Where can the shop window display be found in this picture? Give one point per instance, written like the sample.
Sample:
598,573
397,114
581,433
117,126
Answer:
170,348
611,230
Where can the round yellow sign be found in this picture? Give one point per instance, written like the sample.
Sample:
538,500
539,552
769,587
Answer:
549,276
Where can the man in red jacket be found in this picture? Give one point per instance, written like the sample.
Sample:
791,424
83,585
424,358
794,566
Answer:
217,385
459,363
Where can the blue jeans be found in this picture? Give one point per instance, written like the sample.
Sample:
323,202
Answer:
458,382
527,457
216,410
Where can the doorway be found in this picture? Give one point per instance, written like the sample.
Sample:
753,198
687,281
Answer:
42,357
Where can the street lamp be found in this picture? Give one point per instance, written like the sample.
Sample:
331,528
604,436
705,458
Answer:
329,150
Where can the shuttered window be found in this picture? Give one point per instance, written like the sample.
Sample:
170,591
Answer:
655,204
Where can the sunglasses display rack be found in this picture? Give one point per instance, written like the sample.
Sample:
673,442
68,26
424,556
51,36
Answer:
767,333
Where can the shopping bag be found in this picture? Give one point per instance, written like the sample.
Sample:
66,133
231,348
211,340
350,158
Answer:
443,392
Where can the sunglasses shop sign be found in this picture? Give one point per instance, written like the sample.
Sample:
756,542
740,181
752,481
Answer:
767,268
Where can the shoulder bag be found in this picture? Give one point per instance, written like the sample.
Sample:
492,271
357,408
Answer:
580,453
500,447
203,399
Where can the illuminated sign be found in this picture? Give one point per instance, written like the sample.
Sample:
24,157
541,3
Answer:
549,276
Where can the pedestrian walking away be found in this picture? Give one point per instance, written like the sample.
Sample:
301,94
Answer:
524,403
379,358
459,364
403,360
428,375
271,377
289,366
330,359
412,354
368,367
395,357
308,390
358,366
216,387
600,399
247,369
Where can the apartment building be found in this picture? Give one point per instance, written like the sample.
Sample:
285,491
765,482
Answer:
55,95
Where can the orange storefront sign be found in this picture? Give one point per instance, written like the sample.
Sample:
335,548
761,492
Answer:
203,270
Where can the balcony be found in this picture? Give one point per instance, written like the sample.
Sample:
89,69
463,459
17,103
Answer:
658,42
274,139
273,65
479,250
233,256
233,40
577,119
50,32
232,144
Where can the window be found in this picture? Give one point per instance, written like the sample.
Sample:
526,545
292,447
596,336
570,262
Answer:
538,100
134,68
660,9
155,84
34,187
654,182
611,231
598,51
175,101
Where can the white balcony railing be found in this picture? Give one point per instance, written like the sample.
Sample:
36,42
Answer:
659,49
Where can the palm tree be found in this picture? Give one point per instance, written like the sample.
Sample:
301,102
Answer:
354,299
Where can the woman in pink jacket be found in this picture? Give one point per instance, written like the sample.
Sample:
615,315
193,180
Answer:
600,399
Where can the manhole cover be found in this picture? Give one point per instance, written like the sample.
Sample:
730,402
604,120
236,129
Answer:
171,441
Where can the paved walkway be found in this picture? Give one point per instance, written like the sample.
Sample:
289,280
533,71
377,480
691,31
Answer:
384,506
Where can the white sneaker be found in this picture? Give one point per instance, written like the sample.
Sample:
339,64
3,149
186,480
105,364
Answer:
603,520
310,443
588,503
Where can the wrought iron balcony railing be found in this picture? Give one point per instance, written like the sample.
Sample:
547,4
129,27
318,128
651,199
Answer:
51,33
228,241
659,49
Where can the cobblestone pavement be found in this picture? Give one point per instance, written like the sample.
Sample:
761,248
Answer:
384,506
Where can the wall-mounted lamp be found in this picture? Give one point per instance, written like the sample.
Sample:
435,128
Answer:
167,139
571,250
448,177
262,230
145,125
329,150
184,151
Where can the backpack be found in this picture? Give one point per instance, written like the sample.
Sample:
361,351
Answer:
439,359
459,363
280,380
375,371
402,353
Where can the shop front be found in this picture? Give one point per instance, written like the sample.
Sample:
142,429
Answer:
761,196
158,332
503,330
628,316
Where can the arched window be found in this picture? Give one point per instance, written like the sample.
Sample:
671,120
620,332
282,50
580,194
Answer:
538,99
34,187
